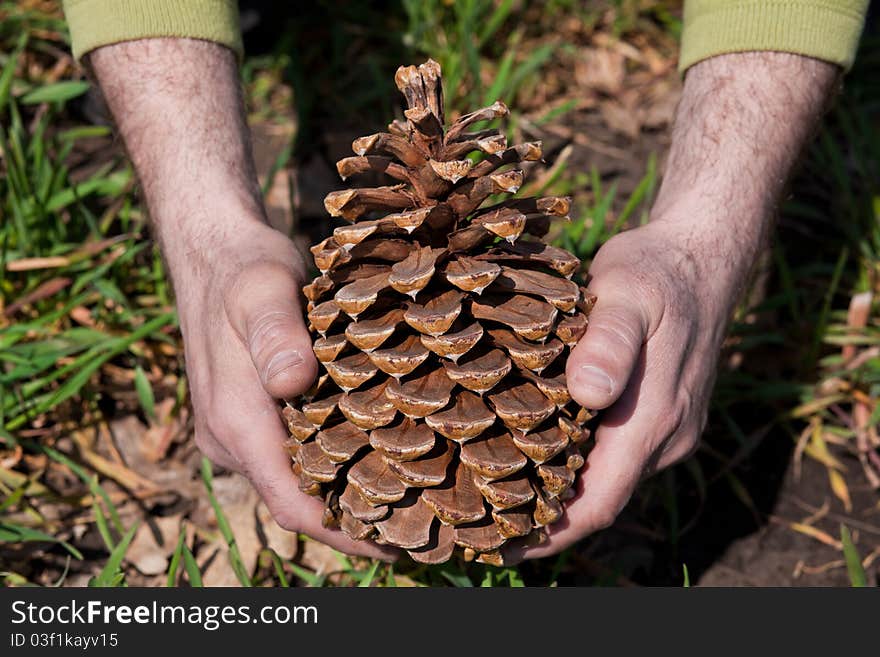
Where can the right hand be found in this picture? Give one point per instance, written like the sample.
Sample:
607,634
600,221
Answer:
246,346
177,104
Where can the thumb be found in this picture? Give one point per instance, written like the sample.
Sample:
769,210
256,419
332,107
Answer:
264,309
603,360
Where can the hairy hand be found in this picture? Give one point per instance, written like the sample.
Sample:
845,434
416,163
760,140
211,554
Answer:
246,345
666,290
178,106
649,358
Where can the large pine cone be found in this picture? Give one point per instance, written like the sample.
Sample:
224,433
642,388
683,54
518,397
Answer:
442,417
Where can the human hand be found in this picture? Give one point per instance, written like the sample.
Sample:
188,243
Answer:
665,291
246,345
649,358
177,105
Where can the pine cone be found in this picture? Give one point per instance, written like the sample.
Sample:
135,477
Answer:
442,417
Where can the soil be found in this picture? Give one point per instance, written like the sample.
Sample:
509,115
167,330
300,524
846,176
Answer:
727,549
727,543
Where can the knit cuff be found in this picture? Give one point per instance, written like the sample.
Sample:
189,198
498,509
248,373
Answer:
824,29
96,23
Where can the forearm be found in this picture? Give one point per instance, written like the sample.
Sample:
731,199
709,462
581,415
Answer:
740,127
178,107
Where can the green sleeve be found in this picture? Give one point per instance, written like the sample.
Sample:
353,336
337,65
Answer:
824,29
95,23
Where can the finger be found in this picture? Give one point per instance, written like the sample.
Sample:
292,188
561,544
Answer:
215,452
606,484
310,524
256,440
624,443
263,307
603,361
679,448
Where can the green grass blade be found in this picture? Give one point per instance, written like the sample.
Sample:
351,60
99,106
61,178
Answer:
514,578
174,564
57,92
312,579
455,576
91,481
390,579
63,576
279,570
368,577
15,496
192,568
223,524
8,74
145,392
821,324
500,80
499,15
110,574
14,533
103,527
857,576
74,384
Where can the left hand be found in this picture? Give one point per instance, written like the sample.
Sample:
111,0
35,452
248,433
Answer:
666,290
648,357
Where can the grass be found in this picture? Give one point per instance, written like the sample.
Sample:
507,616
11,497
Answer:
88,330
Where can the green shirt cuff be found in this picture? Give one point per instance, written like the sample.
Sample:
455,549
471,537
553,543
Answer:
824,29
96,23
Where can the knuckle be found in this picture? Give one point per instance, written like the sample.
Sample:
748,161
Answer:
684,403
601,518
254,275
214,426
268,329
681,445
690,442
681,448
286,519
203,436
220,425
667,426
618,327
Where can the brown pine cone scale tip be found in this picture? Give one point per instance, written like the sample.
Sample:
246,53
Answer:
441,419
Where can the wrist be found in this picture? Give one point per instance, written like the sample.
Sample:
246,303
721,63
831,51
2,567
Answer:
715,247
212,252
204,224
708,215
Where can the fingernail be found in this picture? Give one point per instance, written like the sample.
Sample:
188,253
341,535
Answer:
592,380
281,361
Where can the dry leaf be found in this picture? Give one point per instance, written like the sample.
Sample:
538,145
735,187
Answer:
213,561
818,534
238,499
146,553
284,543
318,557
601,69
857,318
840,489
619,118
170,474
158,437
139,486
